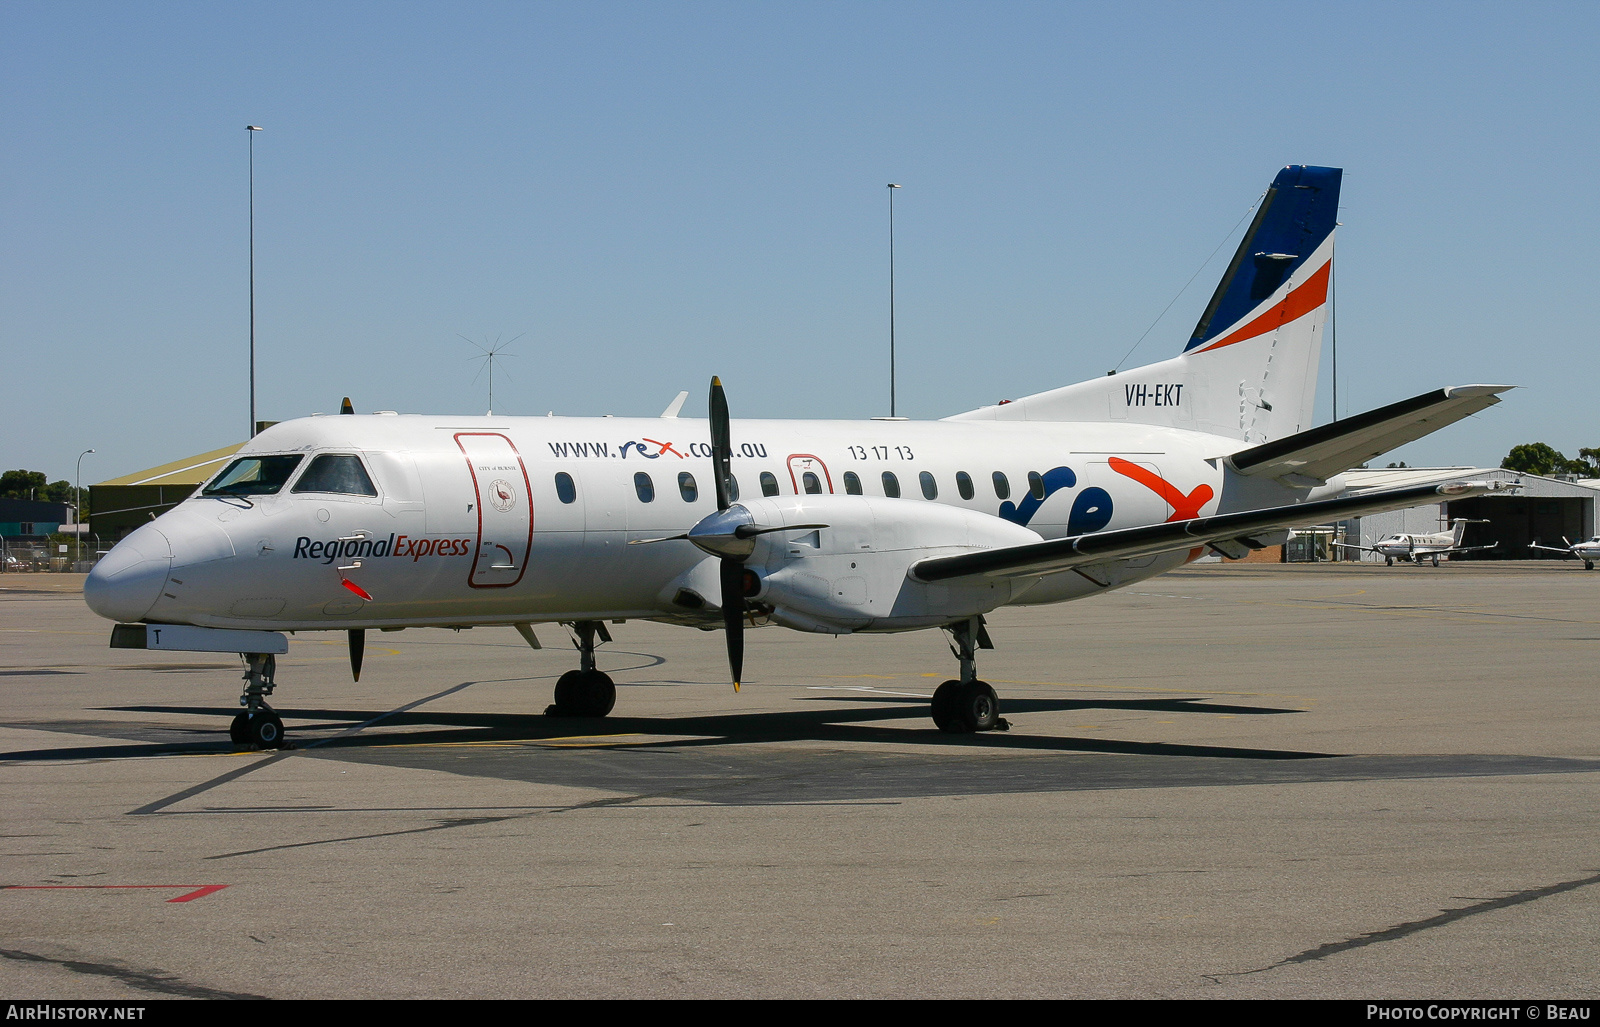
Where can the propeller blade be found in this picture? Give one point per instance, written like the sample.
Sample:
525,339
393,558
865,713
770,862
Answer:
358,648
721,443
733,616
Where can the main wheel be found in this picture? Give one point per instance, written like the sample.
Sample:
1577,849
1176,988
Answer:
583,694
239,730
1436,561
945,700
1388,561
1588,565
978,707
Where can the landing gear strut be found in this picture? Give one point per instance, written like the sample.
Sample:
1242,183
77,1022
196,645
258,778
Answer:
584,692
258,725
966,705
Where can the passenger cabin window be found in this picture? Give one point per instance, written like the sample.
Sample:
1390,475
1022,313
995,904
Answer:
1002,487
566,491
964,484
339,473
811,483
733,489
1036,485
687,488
852,483
254,476
930,488
769,483
891,485
644,487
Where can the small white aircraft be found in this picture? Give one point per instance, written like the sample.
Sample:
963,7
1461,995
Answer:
385,521
1588,551
1417,548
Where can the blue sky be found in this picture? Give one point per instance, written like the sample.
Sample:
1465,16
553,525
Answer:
652,193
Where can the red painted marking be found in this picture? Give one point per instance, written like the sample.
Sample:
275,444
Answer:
666,447
808,456
1183,507
1194,554
357,589
1306,297
190,894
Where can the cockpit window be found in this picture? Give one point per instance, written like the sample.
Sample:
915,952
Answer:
254,476
339,473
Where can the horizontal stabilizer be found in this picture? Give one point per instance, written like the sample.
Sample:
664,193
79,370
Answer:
1317,454
1154,539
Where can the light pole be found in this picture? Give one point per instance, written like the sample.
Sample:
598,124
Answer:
77,501
251,130
892,187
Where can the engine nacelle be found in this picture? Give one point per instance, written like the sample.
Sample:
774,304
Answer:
851,576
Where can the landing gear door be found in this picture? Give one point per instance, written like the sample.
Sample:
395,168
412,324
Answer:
504,508
809,475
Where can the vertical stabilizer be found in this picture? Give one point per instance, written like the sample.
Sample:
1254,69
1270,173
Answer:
1249,370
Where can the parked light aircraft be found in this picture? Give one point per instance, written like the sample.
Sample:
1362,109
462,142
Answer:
386,522
1588,551
1418,548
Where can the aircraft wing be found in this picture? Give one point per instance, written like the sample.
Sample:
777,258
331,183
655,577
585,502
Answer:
1152,539
1317,454
1553,549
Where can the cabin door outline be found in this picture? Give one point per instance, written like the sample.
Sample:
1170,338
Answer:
505,519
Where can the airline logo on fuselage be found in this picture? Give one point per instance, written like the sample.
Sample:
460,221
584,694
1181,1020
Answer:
376,549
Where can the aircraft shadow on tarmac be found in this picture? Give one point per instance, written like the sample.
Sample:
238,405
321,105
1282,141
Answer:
856,723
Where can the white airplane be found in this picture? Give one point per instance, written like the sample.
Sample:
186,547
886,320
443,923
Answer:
1417,548
387,521
1588,551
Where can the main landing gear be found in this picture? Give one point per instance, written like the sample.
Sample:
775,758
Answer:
967,705
585,692
258,725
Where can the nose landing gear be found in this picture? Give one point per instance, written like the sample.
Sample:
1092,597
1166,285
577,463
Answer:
258,725
965,705
585,692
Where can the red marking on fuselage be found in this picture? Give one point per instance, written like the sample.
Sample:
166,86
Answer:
189,895
1305,298
357,589
666,447
1184,507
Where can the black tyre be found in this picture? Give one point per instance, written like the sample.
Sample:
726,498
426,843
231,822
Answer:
1436,561
1588,565
979,707
945,699
1388,561
583,694
266,730
239,730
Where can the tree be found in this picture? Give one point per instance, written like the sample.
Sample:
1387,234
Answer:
33,485
1538,458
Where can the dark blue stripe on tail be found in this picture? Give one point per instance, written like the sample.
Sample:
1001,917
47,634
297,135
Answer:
1296,215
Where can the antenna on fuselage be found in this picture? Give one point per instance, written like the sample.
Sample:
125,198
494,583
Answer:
489,353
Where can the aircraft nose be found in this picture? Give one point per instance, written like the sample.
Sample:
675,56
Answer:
126,583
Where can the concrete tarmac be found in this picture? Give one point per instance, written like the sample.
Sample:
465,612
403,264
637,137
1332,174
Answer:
1228,782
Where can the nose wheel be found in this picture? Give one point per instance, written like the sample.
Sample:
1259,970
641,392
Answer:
585,692
258,725
966,705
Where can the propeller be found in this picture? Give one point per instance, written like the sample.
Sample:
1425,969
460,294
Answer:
732,569
729,535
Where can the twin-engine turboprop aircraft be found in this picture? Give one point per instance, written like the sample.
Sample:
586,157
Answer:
386,521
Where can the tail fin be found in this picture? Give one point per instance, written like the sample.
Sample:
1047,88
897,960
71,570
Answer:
1249,370
1460,526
